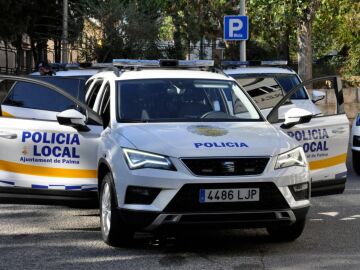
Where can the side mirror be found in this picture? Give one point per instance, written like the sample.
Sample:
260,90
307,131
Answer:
317,96
296,116
74,119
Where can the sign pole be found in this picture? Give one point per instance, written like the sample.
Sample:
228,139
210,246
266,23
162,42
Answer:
242,42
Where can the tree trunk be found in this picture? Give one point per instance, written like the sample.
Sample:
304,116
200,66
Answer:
177,39
19,53
34,53
305,50
6,58
284,46
304,40
201,54
57,49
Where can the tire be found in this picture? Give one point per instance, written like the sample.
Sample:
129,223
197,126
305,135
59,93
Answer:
287,233
113,230
356,161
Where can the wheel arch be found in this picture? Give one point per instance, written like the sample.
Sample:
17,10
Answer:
103,169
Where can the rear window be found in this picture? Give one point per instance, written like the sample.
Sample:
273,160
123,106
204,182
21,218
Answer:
267,91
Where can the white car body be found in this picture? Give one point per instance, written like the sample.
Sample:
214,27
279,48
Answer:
355,143
71,73
355,131
325,146
56,152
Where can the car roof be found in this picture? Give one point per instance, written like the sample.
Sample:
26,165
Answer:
164,73
259,70
72,72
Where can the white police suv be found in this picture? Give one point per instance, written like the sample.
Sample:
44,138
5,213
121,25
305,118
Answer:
166,145
355,144
324,139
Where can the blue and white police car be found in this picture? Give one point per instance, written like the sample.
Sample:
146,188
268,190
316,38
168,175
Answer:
324,139
355,144
166,145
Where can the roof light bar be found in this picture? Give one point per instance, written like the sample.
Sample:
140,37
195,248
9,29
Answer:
72,65
196,63
254,63
234,63
135,63
102,65
163,63
274,63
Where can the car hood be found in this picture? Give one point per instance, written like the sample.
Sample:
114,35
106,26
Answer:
207,139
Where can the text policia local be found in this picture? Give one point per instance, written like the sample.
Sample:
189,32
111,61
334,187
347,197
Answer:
59,145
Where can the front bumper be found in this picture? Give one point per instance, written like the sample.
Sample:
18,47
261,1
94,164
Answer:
177,197
151,221
185,210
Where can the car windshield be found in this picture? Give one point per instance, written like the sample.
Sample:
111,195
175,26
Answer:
267,90
178,100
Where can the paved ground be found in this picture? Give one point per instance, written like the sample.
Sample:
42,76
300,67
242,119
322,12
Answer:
59,237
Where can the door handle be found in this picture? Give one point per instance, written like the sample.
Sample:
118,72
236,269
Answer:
340,130
7,135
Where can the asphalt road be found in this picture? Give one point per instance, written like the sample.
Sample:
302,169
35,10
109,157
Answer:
60,237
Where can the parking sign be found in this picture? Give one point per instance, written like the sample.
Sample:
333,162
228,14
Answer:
236,27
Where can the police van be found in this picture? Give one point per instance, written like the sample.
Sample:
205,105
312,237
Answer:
324,139
355,143
166,144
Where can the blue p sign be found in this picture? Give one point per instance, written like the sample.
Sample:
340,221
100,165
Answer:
236,27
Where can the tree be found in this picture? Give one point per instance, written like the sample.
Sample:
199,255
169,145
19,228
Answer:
124,34
339,18
306,11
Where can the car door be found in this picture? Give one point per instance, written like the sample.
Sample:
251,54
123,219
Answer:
324,138
37,152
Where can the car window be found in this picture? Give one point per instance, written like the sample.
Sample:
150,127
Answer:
32,96
87,85
104,110
93,94
73,86
266,92
288,82
268,89
179,100
5,87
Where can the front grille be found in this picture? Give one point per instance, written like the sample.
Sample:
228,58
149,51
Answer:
226,166
187,199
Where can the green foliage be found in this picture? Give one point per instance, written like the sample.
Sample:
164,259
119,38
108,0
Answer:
340,20
130,29
138,28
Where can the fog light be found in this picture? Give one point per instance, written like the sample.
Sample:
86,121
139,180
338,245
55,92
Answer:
300,191
141,195
356,141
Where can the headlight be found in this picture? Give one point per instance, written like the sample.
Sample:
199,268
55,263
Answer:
295,157
139,160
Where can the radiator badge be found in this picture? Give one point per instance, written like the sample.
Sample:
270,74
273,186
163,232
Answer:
211,131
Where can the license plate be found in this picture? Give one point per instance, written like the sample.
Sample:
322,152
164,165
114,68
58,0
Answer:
229,195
